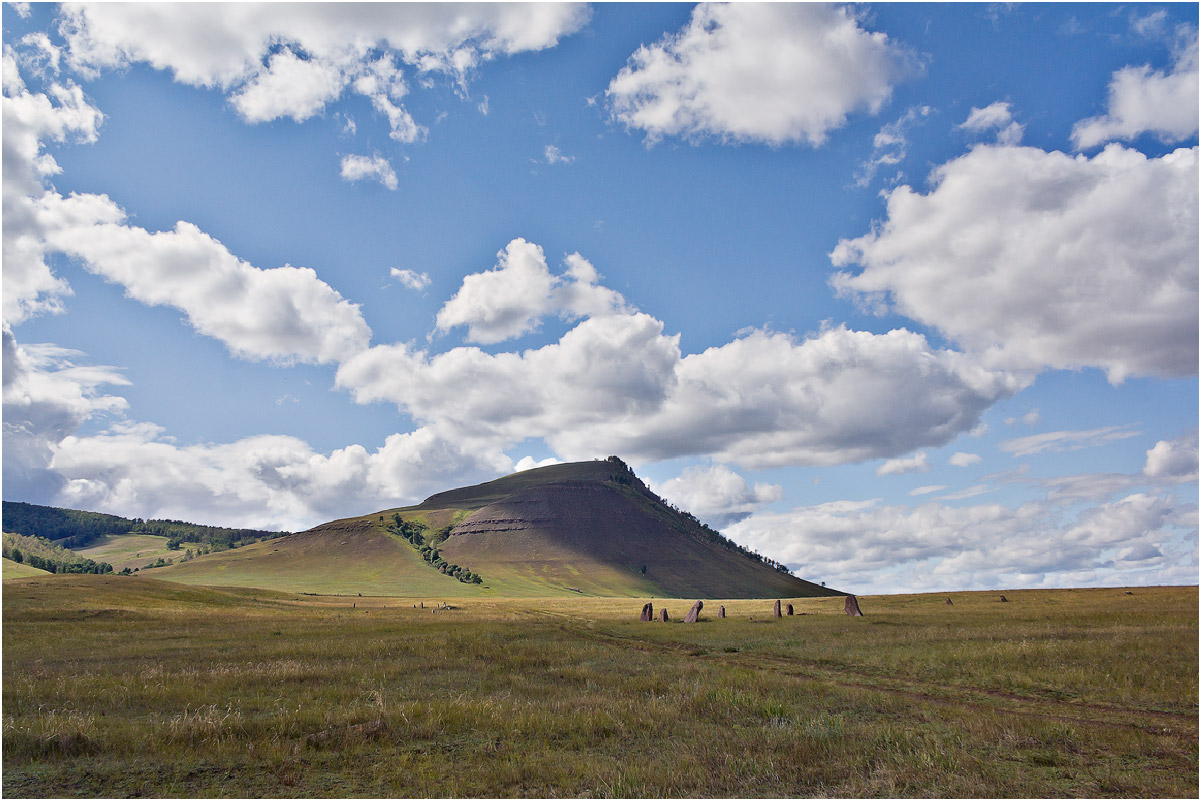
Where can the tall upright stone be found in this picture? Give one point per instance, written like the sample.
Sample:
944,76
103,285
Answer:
694,613
663,615
721,611
648,612
790,612
852,607
776,610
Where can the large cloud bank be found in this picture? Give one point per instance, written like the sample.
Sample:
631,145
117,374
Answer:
617,383
1037,259
292,61
936,546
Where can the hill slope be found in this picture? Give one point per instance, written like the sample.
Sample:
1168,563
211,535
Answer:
588,527
13,569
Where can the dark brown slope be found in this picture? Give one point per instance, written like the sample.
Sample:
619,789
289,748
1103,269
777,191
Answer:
596,523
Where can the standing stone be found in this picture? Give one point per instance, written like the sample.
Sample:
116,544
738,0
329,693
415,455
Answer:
648,612
663,615
852,607
721,611
949,602
790,612
1004,600
694,613
776,610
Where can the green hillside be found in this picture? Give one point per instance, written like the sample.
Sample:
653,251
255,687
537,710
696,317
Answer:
48,556
346,558
14,570
587,528
137,551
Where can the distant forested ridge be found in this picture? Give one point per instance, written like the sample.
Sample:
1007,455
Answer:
43,554
74,529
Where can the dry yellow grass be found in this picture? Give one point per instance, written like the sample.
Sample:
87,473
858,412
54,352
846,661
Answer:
125,686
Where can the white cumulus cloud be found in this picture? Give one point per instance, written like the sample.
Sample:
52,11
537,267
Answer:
716,494
511,299
1173,460
1036,259
996,117
896,467
961,459
291,61
529,463
411,278
62,114
283,314
377,168
1142,100
766,72
865,546
289,86
267,481
48,395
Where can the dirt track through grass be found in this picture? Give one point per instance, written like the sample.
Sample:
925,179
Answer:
951,695
122,687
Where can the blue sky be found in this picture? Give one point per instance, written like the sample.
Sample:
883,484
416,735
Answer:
904,296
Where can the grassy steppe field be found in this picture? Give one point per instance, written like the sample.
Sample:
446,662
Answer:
123,686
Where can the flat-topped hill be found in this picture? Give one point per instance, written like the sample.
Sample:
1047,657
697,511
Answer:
592,528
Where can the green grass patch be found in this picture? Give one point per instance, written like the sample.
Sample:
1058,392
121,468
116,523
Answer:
19,570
